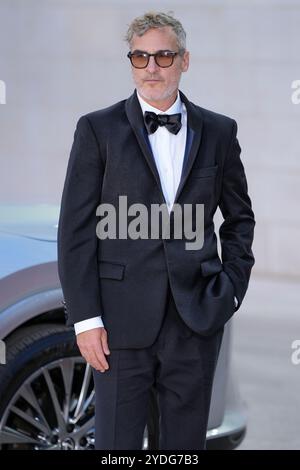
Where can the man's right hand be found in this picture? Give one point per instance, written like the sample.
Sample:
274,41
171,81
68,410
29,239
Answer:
93,347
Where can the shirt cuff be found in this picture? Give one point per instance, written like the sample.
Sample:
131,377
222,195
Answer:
89,324
236,301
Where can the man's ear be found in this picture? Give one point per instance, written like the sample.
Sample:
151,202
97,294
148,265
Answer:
185,61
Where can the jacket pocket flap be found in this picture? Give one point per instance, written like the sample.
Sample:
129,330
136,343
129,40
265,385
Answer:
211,266
207,171
111,270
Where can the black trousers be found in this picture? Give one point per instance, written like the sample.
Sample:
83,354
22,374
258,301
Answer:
181,365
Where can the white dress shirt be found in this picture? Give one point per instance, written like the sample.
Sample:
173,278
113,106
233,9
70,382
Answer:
168,151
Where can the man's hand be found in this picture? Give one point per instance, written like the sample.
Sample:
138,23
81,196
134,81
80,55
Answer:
93,347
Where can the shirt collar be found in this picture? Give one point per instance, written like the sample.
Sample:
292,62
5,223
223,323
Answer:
175,108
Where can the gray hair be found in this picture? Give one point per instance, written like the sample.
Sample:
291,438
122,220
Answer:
154,19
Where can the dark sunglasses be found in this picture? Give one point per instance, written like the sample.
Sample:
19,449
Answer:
140,59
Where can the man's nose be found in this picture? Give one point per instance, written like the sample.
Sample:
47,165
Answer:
152,65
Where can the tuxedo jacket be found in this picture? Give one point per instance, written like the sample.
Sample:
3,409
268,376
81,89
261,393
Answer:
126,280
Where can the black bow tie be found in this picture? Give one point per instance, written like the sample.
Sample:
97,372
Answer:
171,121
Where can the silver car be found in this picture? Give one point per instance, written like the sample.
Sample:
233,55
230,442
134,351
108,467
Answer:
46,387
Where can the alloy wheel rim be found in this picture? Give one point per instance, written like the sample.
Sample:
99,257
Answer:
53,409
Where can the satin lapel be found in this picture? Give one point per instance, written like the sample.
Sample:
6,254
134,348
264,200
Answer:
194,134
135,117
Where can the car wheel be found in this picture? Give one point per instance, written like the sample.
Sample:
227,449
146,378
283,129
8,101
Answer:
46,390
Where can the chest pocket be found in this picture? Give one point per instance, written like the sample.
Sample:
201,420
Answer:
205,172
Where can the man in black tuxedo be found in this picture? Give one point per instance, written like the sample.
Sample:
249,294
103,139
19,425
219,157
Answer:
148,312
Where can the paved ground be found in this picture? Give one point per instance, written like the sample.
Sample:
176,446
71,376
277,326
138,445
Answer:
265,327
